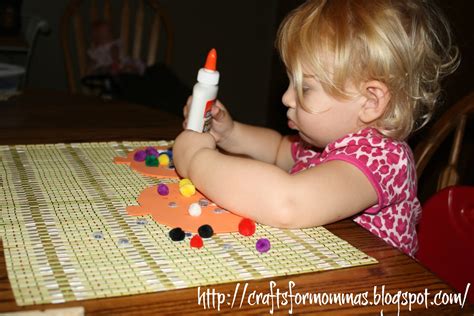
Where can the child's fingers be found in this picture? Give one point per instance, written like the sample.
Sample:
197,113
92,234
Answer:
189,100
187,106
219,105
217,113
186,110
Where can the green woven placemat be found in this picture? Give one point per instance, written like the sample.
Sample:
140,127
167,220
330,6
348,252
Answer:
67,236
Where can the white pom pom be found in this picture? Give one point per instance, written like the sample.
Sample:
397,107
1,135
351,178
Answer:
195,209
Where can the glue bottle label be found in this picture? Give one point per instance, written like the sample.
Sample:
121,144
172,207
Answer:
208,116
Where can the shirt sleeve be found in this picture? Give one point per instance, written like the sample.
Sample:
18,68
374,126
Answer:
384,164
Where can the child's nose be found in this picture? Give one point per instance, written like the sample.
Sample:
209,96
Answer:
288,97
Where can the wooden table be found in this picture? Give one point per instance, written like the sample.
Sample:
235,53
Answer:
49,117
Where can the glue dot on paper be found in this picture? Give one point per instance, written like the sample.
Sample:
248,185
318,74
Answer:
227,246
163,189
203,202
123,241
188,234
195,209
172,204
218,211
142,221
262,245
98,235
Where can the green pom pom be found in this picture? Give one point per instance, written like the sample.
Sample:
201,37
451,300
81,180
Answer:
151,161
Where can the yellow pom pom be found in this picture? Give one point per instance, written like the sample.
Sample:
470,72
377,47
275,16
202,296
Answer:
164,159
184,181
187,190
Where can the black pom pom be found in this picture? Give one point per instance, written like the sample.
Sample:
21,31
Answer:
205,231
176,234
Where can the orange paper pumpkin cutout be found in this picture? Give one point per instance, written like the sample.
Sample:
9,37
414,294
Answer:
142,168
172,210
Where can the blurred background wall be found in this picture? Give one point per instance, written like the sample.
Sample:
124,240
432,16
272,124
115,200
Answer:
243,32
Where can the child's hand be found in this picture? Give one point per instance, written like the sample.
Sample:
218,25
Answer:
222,122
186,145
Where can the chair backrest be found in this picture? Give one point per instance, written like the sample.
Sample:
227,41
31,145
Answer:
35,26
454,119
143,27
446,237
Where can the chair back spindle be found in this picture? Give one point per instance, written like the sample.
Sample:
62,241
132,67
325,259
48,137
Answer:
125,27
107,11
454,119
137,45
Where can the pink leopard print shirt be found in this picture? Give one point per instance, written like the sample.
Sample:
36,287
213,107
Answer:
389,166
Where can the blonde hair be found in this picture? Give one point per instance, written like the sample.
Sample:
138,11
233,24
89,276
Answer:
406,44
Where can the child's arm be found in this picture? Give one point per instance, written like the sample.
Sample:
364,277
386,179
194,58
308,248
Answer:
256,142
269,195
259,143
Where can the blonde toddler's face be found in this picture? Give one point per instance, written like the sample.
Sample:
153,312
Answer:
326,118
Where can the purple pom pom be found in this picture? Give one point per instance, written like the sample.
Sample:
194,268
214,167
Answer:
163,189
151,151
139,155
263,245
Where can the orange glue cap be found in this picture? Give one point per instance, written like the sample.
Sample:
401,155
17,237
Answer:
211,60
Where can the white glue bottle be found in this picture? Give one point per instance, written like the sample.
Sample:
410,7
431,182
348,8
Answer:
204,95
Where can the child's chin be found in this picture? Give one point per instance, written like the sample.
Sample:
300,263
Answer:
305,138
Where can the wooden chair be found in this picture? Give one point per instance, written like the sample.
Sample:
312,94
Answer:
142,25
454,119
35,26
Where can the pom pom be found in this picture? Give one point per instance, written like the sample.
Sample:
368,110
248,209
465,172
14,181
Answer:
151,161
263,245
139,155
195,209
205,231
187,190
163,189
196,242
184,181
151,151
176,234
247,227
164,159
169,152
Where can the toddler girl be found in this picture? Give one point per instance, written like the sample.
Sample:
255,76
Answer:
104,55
363,75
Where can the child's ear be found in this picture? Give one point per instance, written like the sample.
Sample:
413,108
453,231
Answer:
377,97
